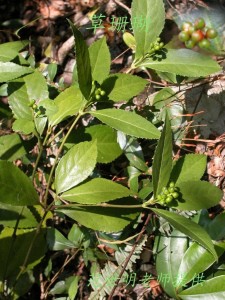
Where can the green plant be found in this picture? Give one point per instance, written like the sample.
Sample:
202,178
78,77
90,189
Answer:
83,129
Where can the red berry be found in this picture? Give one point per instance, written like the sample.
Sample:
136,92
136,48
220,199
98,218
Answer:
197,36
211,33
184,36
190,44
199,23
204,44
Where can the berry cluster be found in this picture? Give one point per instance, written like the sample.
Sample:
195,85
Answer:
35,108
168,194
98,92
196,34
156,46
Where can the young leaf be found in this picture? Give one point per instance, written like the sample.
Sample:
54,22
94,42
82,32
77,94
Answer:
122,87
127,122
68,103
83,62
96,191
189,166
36,85
152,14
162,162
10,71
183,62
198,194
189,228
100,67
107,219
212,289
75,166
15,186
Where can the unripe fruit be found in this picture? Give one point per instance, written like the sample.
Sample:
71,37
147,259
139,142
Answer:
197,36
34,106
185,26
199,23
191,29
211,33
184,36
175,195
169,199
171,190
97,97
157,48
102,93
204,44
190,44
172,184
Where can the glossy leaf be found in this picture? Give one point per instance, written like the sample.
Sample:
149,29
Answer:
10,71
212,289
215,227
122,87
75,166
127,122
100,67
134,154
15,187
11,147
162,161
189,167
56,240
8,51
83,62
96,191
191,229
152,14
67,103
187,63
169,254
23,125
198,194
107,219
36,85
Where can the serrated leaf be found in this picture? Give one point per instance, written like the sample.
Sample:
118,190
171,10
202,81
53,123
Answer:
191,229
100,67
107,219
122,87
67,103
15,186
10,71
189,166
187,63
96,191
153,13
83,62
212,289
36,85
169,254
23,125
11,147
162,161
197,195
75,166
127,122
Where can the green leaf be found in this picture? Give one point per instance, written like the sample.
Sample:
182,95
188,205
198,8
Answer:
162,162
8,51
36,85
189,166
11,147
183,62
127,122
19,100
189,228
83,62
163,97
15,187
56,241
68,103
100,67
122,87
40,123
96,191
129,40
198,194
212,289
10,71
196,260
215,227
75,166
107,219
134,154
169,254
23,125
153,13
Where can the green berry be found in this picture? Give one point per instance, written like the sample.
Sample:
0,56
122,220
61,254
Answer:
161,44
204,44
157,48
159,197
97,97
171,190
197,36
102,93
169,199
163,197
175,195
185,26
34,106
199,23
211,33
184,36
172,184
162,203
190,44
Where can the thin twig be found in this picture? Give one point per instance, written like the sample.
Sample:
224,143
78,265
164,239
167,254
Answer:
123,5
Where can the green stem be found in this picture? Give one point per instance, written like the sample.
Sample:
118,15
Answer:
38,157
98,205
